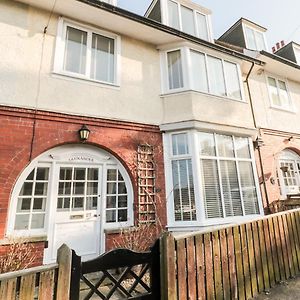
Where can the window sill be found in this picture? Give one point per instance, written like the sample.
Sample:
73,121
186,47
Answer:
8,240
189,91
196,226
79,79
278,108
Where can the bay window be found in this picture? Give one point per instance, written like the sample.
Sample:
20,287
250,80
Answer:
188,69
86,53
212,178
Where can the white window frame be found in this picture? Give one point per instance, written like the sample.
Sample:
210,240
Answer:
60,51
194,155
44,161
255,37
291,107
195,21
187,82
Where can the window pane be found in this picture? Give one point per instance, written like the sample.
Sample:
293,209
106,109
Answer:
26,189
65,174
22,222
122,215
273,91
183,190
42,174
75,52
202,26
284,97
260,43
64,188
122,201
111,188
92,188
39,204
231,192
225,145
79,174
41,188
250,38
242,147
91,203
102,64
232,80
216,77
23,204
92,174
111,201
180,144
111,175
248,188
211,189
297,54
175,70
37,221
187,17
173,14
78,203
207,144
198,72
110,216
78,188
122,188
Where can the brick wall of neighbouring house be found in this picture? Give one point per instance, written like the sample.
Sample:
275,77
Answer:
274,143
53,129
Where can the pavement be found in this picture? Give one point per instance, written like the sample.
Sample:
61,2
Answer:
286,290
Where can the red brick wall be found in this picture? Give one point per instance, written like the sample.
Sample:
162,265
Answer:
274,143
52,129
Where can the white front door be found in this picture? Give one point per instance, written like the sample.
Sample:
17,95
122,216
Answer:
290,176
78,204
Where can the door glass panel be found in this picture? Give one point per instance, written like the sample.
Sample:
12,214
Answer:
81,187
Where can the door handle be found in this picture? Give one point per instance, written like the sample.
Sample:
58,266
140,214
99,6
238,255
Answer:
97,215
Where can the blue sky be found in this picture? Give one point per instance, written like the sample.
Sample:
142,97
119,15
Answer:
281,18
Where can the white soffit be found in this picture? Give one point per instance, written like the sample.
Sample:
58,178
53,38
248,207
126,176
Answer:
112,22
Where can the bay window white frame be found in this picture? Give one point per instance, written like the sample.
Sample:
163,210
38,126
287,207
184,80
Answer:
187,75
291,107
58,67
194,155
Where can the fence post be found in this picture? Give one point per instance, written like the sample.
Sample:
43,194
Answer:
168,271
64,259
75,276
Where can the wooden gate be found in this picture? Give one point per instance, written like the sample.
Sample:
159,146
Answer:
118,274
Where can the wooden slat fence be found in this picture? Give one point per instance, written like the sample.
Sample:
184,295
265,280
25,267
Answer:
232,263
42,283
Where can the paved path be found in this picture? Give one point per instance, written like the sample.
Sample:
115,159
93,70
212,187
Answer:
287,290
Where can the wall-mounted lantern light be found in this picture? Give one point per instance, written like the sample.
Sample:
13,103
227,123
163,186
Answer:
84,133
258,142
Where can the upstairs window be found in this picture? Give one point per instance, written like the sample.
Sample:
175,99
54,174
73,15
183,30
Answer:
254,39
86,53
187,20
206,74
279,94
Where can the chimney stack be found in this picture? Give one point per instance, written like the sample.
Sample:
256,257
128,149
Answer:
278,46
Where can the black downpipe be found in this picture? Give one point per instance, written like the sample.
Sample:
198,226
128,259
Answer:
258,148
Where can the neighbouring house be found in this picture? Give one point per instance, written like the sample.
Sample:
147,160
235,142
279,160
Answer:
275,96
171,116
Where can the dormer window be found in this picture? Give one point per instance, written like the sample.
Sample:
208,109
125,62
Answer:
182,15
187,20
254,39
297,55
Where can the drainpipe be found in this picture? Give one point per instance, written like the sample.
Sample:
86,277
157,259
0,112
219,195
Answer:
258,147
